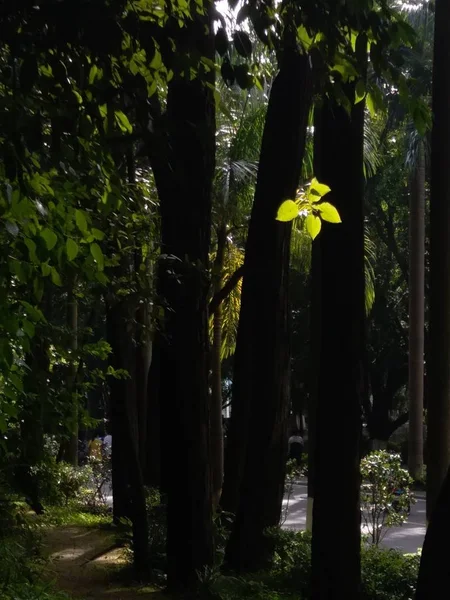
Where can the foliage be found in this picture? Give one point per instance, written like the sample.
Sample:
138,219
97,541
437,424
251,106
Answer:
381,507
386,574
59,482
309,205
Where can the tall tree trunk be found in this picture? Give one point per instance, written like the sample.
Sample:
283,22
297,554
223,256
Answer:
152,473
434,574
184,181
128,485
416,315
71,454
216,374
340,269
257,439
438,362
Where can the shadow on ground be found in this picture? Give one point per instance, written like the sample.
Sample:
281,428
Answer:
85,563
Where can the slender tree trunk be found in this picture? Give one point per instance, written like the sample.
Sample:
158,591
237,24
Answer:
416,315
153,461
143,361
340,269
184,181
71,455
438,362
257,439
216,374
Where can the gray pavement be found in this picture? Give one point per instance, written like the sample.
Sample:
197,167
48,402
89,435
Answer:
406,538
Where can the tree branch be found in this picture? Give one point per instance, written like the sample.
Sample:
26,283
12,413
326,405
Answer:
229,286
401,420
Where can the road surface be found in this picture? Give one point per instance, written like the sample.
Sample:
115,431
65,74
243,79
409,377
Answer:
406,538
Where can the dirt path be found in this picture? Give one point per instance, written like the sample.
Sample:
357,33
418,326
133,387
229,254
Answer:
84,563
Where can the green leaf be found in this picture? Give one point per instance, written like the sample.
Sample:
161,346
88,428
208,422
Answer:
93,74
288,211
97,254
49,237
16,381
242,43
313,225
71,249
123,122
29,328
328,212
360,91
6,354
32,311
56,279
81,221
317,190
98,235
46,269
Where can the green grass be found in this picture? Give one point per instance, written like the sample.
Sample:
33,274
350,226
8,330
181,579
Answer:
73,515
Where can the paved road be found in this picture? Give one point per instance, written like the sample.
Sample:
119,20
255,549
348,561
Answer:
407,538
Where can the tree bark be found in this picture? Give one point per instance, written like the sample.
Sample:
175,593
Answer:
257,441
438,412
128,486
216,374
416,316
434,574
340,269
71,454
184,175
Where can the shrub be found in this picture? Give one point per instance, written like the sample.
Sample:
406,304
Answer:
388,574
59,482
382,474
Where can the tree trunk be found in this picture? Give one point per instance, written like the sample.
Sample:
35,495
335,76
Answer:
315,337
152,474
438,362
434,574
416,315
143,361
216,374
128,486
257,439
340,269
184,182
71,454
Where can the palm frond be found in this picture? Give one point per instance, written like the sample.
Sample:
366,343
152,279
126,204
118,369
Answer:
301,247
231,305
370,256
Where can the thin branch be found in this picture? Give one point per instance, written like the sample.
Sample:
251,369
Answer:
229,286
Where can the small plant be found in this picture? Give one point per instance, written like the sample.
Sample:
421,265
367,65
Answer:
386,496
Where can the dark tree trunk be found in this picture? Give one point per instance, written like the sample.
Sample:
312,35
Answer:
143,362
257,439
31,419
434,574
71,454
153,461
184,183
340,269
128,486
217,446
438,362
416,315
